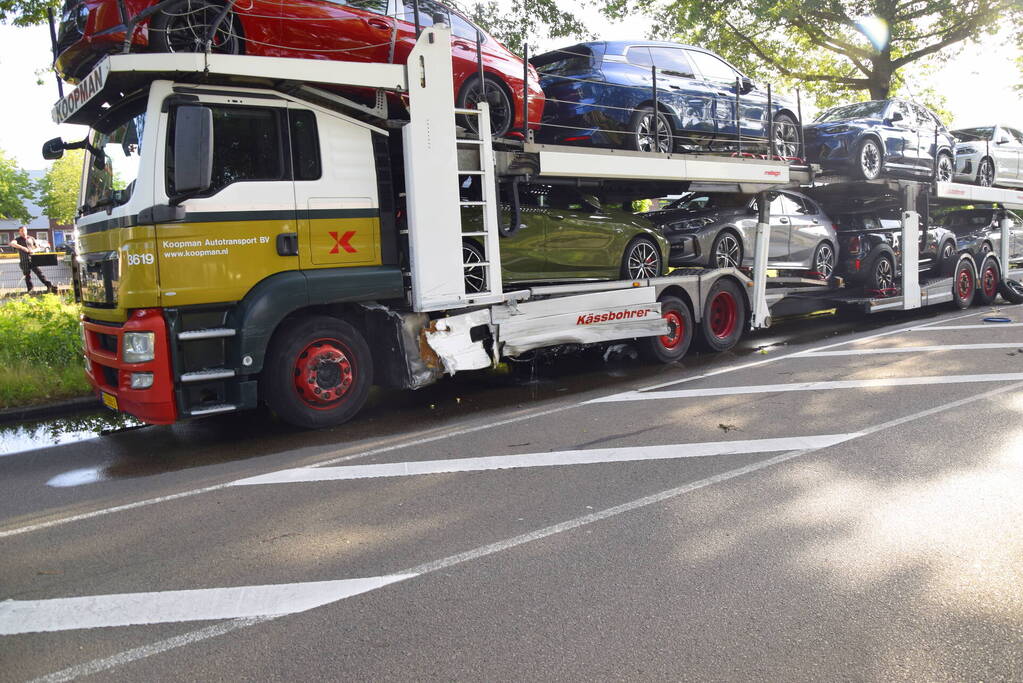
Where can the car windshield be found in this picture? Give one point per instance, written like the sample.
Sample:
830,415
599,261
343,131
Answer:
696,201
111,182
974,218
975,134
860,110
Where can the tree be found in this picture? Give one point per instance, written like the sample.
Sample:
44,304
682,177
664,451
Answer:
27,12
524,21
832,48
58,189
15,189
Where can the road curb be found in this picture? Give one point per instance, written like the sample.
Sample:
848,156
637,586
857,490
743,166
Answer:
73,405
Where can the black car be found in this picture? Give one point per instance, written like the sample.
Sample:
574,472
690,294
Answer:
719,231
979,231
870,249
881,137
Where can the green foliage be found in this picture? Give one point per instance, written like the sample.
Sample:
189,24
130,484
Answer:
58,189
822,46
15,189
27,12
40,350
642,205
526,21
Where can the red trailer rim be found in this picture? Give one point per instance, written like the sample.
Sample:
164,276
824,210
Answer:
965,283
676,330
723,314
989,281
324,373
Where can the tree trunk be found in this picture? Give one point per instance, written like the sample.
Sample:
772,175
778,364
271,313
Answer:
881,76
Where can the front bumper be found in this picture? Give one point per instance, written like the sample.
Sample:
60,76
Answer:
110,376
966,168
685,250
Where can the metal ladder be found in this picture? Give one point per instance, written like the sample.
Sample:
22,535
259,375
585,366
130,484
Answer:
489,237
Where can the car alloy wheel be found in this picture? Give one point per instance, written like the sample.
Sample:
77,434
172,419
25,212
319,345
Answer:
824,261
642,260
884,274
183,27
870,160
647,138
475,272
727,251
786,137
986,173
946,168
502,112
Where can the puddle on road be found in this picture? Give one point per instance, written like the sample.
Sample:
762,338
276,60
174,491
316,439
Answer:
25,436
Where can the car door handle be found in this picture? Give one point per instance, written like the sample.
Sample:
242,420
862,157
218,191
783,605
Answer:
378,23
464,46
783,220
557,218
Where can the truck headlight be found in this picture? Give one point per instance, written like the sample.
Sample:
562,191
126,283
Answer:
138,347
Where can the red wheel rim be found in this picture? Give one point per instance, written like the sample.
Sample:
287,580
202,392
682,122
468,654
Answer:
989,281
965,282
324,374
723,314
676,330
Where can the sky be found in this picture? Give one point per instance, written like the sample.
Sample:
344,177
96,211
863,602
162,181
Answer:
977,84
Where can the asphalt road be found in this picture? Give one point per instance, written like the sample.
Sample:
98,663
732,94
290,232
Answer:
833,500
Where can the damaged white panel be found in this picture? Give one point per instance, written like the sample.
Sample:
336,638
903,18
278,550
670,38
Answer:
586,319
451,339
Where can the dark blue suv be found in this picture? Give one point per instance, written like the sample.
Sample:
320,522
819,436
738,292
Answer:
600,94
871,139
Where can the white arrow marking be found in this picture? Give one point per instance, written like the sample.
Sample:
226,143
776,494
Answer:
908,349
555,458
128,609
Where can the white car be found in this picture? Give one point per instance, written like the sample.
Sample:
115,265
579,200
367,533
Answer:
989,155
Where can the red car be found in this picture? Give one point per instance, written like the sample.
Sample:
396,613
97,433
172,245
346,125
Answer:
349,30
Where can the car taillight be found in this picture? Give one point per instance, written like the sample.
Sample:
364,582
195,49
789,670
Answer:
854,244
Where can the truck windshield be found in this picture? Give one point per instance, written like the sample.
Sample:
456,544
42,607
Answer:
113,182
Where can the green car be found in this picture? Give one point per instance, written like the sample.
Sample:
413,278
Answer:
567,236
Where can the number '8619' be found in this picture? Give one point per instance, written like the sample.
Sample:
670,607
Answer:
141,259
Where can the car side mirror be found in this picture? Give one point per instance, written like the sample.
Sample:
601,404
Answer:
193,149
53,149
1002,140
746,85
896,117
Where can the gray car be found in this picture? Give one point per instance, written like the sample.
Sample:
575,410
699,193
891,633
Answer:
719,230
979,231
989,155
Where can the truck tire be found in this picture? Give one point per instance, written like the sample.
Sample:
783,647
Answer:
318,372
987,282
964,284
673,346
724,316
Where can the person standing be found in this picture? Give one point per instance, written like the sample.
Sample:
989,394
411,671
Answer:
25,246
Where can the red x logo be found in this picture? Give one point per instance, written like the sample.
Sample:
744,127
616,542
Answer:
343,242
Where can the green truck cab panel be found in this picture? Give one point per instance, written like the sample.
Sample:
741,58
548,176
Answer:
268,303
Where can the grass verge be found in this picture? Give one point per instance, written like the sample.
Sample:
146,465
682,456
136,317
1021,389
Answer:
40,351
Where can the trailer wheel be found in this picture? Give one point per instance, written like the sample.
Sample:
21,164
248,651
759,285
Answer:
964,284
318,372
724,316
182,27
674,345
1011,291
987,287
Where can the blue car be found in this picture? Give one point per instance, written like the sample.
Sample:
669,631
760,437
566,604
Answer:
601,94
881,137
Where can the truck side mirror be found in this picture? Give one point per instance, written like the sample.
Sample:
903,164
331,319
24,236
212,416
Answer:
53,149
193,149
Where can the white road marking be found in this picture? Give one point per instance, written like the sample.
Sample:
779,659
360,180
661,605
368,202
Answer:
552,459
908,349
165,607
810,386
129,656
984,326
38,526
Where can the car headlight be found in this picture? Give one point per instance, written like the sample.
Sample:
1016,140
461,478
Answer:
966,150
837,129
690,224
139,347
